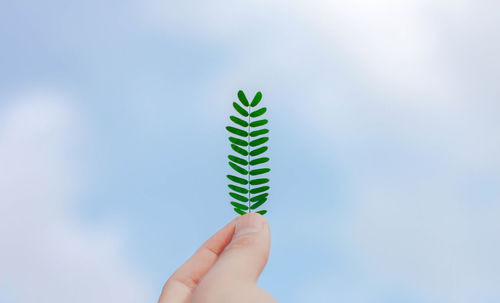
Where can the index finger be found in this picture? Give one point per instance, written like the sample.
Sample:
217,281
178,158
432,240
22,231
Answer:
182,283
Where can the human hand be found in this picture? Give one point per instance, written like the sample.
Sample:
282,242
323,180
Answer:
226,267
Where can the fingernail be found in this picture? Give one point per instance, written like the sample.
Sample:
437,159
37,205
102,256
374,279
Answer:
249,224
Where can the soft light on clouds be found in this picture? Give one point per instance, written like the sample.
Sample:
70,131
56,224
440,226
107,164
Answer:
386,158
384,83
47,254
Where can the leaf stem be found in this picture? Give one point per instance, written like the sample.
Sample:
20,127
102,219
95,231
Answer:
248,139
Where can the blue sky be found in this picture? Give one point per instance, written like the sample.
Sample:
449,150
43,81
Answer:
384,145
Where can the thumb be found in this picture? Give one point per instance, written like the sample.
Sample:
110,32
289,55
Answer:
245,257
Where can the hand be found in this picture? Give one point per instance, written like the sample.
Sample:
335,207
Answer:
226,267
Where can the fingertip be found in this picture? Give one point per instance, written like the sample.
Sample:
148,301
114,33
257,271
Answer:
247,254
252,222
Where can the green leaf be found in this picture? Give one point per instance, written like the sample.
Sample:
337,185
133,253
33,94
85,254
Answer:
243,98
240,206
238,179
259,132
258,161
239,211
246,139
258,112
240,109
239,121
239,197
238,160
257,198
237,131
259,171
259,190
259,141
258,181
238,189
258,123
239,150
238,141
258,203
258,151
239,169
256,99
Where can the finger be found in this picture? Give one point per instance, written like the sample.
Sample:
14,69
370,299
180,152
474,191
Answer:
245,257
181,284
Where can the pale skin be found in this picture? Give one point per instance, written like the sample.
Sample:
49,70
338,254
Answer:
226,267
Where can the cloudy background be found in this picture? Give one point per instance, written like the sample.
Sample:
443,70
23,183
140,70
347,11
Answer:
385,145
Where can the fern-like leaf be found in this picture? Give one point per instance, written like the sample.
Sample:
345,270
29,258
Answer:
240,109
239,205
256,99
259,161
239,169
259,171
238,121
239,150
239,211
237,179
257,204
259,190
258,181
243,99
237,131
239,160
238,141
258,123
258,151
259,197
238,197
259,141
258,113
238,189
249,191
259,132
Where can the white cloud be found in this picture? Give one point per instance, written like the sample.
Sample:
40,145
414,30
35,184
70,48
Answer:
407,94
47,254
428,237
420,146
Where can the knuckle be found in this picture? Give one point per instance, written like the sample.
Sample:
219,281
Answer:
186,281
242,242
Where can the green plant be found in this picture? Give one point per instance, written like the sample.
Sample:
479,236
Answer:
250,189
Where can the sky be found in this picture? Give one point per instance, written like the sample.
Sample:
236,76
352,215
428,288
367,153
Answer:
384,145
